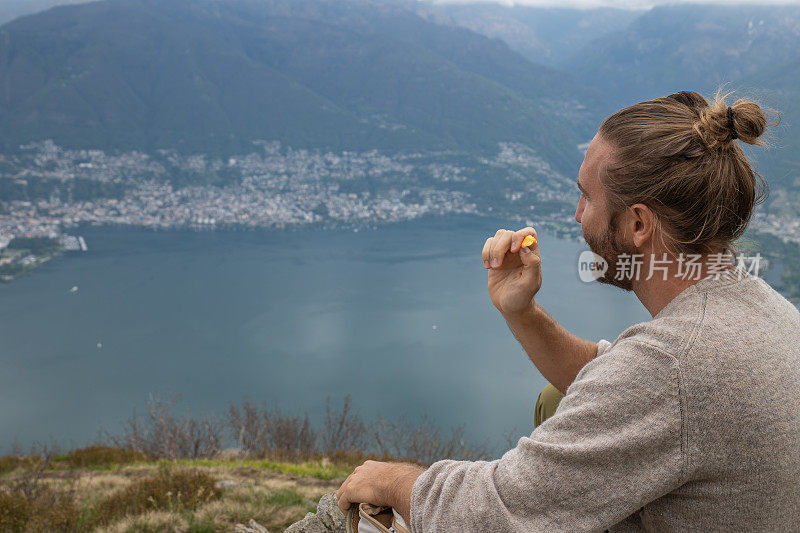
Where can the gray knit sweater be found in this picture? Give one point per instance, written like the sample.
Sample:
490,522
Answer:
689,422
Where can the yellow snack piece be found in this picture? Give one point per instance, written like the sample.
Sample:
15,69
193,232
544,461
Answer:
528,240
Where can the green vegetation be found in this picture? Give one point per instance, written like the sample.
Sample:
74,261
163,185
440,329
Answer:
35,245
317,469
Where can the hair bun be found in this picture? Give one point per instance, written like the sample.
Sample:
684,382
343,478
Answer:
714,126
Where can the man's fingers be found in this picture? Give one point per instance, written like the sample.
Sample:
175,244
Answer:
504,241
340,494
485,257
500,245
344,505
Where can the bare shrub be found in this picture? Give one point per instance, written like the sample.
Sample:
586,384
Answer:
343,431
269,432
260,431
294,437
160,434
248,428
424,442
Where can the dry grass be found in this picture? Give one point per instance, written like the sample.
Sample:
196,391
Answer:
157,497
149,522
167,489
274,509
40,509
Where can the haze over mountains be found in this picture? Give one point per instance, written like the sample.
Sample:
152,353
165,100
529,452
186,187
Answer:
213,75
544,35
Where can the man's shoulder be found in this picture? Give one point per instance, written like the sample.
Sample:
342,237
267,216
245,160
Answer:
714,311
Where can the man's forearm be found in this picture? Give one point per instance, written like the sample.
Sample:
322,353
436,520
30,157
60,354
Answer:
558,354
399,496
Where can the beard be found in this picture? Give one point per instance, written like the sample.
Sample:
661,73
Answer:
609,247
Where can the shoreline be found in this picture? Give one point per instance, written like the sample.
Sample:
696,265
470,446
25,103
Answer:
557,228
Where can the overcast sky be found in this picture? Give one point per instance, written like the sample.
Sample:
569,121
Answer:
628,4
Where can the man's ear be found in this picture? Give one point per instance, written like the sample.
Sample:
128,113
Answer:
641,223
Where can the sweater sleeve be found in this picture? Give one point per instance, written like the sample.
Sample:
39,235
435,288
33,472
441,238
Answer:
614,444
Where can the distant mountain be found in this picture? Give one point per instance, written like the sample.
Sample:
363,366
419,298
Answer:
542,34
700,47
212,76
11,9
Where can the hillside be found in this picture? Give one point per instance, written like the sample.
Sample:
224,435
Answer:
212,76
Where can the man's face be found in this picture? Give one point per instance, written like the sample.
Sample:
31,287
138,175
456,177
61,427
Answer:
600,232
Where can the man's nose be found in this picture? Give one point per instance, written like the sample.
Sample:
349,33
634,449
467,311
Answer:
579,211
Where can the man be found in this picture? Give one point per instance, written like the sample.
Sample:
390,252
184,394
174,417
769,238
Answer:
688,422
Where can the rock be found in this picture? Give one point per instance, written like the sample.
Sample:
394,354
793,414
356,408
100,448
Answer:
309,524
328,513
329,518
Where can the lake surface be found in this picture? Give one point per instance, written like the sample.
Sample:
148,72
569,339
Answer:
399,318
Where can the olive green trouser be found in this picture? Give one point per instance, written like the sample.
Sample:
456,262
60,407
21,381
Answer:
546,404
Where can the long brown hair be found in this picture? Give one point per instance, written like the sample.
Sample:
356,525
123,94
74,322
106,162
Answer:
678,155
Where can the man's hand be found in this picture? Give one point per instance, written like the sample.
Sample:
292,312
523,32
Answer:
515,275
381,484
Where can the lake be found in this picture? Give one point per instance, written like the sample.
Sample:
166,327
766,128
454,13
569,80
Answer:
398,317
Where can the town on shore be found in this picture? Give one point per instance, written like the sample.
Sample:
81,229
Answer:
47,192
